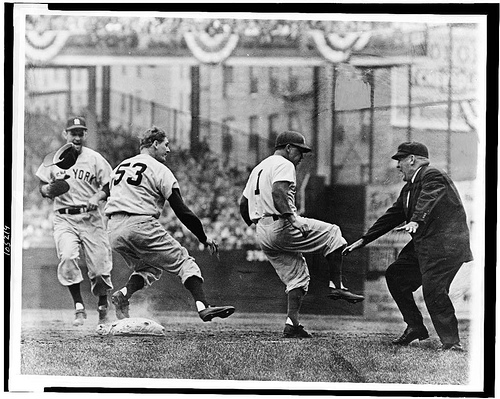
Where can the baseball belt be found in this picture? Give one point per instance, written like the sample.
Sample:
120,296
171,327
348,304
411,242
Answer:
72,210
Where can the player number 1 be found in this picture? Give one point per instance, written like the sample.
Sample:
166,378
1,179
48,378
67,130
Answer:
257,189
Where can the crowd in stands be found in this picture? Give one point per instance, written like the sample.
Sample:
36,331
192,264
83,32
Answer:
158,32
209,187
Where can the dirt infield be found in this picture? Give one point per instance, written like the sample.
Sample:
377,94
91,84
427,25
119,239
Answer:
244,347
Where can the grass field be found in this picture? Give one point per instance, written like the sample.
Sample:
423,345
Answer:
244,347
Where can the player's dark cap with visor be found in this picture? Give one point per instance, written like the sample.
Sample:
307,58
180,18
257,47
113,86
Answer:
292,138
76,122
411,148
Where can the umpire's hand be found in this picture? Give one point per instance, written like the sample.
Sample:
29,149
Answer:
353,246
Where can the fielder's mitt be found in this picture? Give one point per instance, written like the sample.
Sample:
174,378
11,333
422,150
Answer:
65,157
56,188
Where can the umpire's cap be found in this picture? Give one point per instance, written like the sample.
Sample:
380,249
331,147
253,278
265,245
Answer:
411,148
293,138
76,122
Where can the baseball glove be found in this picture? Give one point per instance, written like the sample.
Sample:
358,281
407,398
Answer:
65,157
56,188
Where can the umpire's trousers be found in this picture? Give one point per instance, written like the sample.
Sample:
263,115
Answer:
406,275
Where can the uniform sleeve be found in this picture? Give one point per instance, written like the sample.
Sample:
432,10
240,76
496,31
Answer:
103,172
246,191
43,173
284,171
392,218
433,189
167,182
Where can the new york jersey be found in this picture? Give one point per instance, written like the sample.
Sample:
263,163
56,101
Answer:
86,177
140,185
258,189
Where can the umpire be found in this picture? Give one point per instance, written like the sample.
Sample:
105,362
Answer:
432,212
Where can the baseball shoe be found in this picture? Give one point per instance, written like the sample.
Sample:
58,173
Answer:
80,316
411,334
345,294
103,314
295,332
451,347
209,313
121,305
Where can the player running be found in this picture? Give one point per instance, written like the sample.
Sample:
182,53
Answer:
268,200
140,185
78,220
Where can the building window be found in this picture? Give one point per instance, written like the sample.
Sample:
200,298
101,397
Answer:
365,127
254,80
124,102
227,139
227,78
253,143
138,102
339,131
293,81
273,131
294,121
273,80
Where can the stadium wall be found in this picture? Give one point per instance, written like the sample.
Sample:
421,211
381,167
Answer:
242,278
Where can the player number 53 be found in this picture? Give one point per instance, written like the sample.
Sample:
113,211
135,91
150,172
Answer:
136,179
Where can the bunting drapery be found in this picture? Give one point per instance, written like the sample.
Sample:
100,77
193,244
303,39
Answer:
43,46
336,48
206,48
211,49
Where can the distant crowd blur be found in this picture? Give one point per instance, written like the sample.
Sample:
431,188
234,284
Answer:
209,188
158,32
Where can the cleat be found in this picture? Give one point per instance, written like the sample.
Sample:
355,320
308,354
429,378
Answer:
411,334
209,313
103,314
80,316
295,332
345,294
451,347
121,305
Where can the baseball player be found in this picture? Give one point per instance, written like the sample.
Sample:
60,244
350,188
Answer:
78,220
268,201
139,188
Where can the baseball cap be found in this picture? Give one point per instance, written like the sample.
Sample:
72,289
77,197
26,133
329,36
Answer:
76,122
293,138
411,148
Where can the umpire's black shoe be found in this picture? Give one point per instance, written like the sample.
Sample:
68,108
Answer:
345,294
121,305
209,313
295,332
411,334
451,347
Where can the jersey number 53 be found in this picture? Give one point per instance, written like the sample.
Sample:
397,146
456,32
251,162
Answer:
135,179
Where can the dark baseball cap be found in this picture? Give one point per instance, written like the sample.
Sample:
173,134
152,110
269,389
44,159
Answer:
411,148
76,122
293,138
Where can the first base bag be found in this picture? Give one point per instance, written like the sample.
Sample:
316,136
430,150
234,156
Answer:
131,326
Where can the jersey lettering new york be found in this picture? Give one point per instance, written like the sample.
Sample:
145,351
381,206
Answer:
85,178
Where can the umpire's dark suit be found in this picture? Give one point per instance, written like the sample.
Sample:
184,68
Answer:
434,255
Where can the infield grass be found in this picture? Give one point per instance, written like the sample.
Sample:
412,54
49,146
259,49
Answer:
242,347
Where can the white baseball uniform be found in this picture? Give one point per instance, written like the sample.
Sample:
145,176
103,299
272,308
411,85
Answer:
279,240
139,188
86,177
